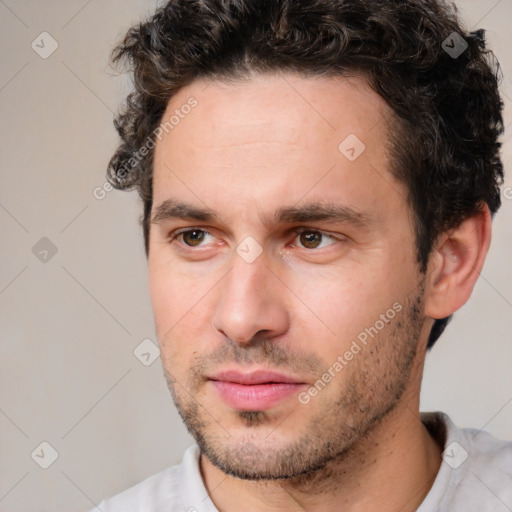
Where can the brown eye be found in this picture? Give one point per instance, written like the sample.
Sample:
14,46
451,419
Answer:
193,237
310,239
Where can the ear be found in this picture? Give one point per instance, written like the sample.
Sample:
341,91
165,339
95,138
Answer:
455,264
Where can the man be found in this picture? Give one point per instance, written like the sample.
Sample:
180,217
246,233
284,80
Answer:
318,180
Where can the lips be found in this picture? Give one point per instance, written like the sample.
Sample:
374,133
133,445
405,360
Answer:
256,391
255,378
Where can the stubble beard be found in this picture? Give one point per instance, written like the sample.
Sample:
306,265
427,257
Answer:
373,384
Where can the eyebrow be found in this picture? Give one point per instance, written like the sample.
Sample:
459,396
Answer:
311,212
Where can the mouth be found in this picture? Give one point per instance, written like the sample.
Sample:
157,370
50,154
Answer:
255,391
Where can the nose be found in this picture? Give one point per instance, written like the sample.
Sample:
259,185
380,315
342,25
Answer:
252,301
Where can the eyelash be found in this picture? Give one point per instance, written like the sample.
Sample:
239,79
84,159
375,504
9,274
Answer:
174,235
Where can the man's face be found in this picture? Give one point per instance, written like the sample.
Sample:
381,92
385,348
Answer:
256,304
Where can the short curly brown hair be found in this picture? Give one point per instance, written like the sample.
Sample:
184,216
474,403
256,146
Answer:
447,108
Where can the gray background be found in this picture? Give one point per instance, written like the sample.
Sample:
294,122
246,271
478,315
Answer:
70,323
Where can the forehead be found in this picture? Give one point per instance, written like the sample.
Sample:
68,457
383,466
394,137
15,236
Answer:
273,138
279,108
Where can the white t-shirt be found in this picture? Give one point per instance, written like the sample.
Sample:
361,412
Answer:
475,476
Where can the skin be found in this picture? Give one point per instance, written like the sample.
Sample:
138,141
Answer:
247,149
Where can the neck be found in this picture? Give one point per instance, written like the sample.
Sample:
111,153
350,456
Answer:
392,468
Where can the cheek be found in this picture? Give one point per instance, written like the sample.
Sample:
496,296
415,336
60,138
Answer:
164,295
171,289
167,301
180,310
341,303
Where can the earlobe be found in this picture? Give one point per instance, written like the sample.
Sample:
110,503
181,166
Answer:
455,264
